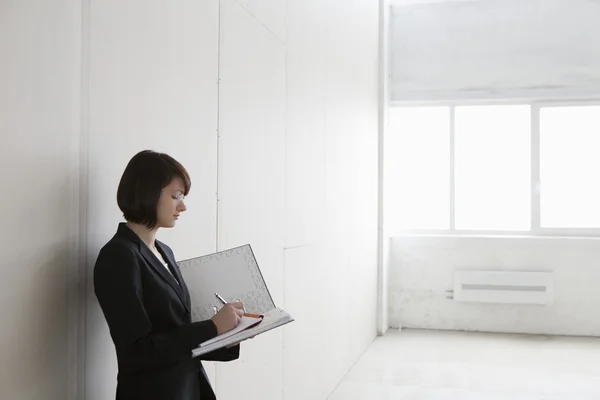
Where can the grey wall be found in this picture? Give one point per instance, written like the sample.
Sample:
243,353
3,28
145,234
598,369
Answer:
39,174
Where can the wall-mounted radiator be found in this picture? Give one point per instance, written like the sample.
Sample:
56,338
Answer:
512,287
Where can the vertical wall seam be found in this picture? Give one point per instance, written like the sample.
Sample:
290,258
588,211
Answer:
218,133
82,203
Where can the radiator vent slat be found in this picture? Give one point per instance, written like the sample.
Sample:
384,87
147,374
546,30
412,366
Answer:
509,287
504,287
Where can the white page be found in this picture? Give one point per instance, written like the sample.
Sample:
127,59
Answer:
273,319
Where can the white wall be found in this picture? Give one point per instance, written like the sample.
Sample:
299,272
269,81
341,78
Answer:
456,49
39,123
297,166
84,86
298,180
383,234
423,267
462,50
152,84
252,178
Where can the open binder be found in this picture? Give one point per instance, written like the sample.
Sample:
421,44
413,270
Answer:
235,275
250,327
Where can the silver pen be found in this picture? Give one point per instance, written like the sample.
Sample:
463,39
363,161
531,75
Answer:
222,300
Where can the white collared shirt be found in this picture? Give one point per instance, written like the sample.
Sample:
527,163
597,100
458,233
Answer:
165,264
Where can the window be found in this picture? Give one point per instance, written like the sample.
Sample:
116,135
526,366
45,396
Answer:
469,168
492,160
570,167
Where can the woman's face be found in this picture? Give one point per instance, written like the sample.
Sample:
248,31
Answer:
170,204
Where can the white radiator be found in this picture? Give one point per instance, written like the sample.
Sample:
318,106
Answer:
512,287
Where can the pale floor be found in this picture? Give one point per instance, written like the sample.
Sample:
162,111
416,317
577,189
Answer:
418,364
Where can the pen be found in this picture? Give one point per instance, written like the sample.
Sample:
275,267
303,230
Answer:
222,300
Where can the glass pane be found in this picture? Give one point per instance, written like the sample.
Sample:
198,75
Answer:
417,158
492,168
569,165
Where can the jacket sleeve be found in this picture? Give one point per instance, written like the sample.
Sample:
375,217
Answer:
224,354
118,287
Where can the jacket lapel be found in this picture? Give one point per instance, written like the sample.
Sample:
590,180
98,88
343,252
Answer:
162,271
177,273
151,259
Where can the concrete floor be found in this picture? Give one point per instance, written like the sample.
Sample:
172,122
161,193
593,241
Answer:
416,364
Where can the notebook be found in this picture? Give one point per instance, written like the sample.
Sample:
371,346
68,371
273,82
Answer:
246,329
235,275
244,324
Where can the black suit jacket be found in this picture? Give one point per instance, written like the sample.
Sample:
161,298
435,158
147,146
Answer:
148,314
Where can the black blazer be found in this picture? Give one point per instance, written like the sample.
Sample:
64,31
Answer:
148,314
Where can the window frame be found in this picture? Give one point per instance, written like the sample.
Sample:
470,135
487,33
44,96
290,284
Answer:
535,224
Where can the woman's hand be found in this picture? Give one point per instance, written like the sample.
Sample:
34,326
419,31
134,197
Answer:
228,317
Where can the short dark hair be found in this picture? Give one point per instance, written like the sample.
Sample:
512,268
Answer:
143,180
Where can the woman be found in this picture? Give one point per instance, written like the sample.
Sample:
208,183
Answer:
143,296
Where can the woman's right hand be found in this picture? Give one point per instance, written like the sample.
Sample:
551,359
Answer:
228,316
